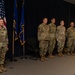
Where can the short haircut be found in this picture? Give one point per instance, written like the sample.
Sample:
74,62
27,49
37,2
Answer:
45,18
61,20
1,18
52,18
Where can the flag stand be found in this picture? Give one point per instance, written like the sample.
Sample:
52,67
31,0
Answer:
23,56
22,39
13,57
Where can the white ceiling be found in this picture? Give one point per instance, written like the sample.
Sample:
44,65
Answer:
71,1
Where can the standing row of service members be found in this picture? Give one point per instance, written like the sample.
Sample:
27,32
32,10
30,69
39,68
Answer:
49,34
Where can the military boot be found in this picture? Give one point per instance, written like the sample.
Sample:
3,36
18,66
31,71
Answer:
72,53
45,58
68,53
51,56
42,58
62,54
59,54
0,69
3,68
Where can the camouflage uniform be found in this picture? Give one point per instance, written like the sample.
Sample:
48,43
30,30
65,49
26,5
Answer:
60,35
70,39
74,41
43,38
52,37
3,44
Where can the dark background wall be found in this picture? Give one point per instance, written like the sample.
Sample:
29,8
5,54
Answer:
35,11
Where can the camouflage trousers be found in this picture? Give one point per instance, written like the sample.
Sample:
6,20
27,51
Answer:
43,45
51,45
2,55
70,45
61,43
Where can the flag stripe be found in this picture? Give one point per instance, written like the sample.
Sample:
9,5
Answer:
2,12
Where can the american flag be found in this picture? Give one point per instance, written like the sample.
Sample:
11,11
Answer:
2,11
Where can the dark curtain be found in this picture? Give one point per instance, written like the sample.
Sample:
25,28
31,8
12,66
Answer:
35,11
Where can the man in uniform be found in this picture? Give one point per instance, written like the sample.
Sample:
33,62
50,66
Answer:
43,31
52,37
3,45
70,39
74,41
60,35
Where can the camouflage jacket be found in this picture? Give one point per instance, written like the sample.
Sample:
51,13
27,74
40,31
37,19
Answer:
70,33
52,31
61,32
43,32
3,36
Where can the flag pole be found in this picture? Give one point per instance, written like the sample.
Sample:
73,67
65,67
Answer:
23,44
24,56
23,39
13,57
23,32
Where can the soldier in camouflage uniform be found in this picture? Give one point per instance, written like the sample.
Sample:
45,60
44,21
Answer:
3,45
52,37
71,39
43,30
60,35
74,42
